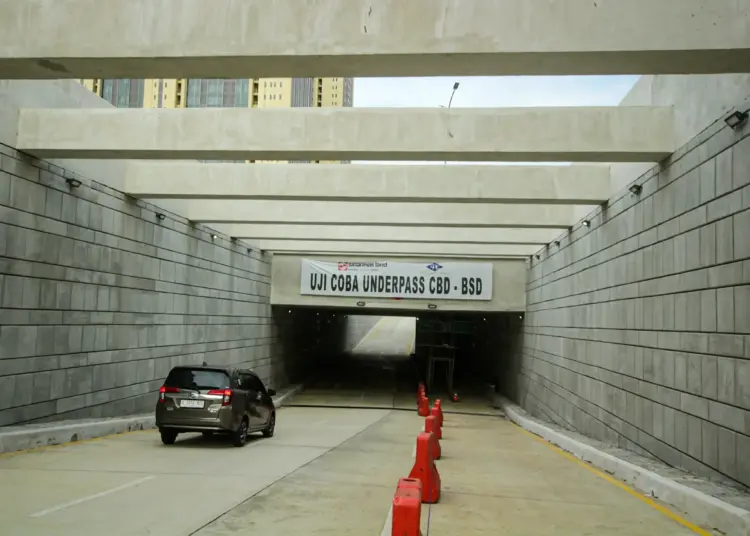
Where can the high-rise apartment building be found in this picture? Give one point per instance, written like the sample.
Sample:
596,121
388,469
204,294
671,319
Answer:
225,93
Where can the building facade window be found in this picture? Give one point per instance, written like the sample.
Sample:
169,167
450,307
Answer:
124,93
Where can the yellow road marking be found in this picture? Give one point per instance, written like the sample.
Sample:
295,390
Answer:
69,443
667,512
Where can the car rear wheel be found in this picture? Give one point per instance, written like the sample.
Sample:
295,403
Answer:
239,438
268,430
168,437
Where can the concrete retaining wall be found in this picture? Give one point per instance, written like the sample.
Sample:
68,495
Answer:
357,328
638,328
99,298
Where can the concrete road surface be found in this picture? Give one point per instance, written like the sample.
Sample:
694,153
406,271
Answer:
328,471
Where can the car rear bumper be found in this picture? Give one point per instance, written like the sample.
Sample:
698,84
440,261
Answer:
222,422
185,427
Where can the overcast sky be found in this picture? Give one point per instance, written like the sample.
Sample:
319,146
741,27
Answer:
490,92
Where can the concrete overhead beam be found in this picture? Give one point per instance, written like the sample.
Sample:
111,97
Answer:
251,38
380,248
564,134
388,214
578,184
343,233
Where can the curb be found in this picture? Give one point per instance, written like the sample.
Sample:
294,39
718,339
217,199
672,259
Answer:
280,400
27,438
703,509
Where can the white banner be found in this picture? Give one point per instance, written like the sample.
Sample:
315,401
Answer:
386,279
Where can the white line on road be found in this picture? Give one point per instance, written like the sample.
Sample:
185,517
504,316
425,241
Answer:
90,497
387,528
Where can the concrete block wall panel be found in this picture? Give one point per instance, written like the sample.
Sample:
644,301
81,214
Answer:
637,330
99,298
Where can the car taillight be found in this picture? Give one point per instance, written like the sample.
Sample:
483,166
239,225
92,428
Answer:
226,395
163,389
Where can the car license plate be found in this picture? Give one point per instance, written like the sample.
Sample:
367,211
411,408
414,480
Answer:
191,403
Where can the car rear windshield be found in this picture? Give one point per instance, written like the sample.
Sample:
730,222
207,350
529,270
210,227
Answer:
187,378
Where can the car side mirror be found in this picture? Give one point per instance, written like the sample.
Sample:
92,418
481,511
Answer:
272,392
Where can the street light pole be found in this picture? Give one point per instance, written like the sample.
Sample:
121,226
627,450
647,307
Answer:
455,88
450,101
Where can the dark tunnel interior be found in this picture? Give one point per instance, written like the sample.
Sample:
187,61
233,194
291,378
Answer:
376,360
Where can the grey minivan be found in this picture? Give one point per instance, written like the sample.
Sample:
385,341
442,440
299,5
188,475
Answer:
214,400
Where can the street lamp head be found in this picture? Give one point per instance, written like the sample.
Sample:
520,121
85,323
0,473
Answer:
455,86
737,119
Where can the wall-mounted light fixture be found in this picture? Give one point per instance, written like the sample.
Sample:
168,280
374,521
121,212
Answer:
361,304
431,306
586,223
214,237
736,119
636,189
73,183
160,216
557,243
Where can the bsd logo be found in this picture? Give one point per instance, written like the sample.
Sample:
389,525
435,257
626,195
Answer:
343,266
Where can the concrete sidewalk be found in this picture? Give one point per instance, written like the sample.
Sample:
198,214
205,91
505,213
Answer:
723,506
498,478
16,438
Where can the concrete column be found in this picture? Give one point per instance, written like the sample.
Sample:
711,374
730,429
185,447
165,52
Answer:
386,248
385,233
579,184
244,38
565,134
389,214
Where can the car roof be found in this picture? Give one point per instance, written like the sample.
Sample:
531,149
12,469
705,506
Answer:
228,370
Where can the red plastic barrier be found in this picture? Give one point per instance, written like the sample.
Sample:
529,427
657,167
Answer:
439,406
407,511
423,408
430,425
410,483
437,430
424,468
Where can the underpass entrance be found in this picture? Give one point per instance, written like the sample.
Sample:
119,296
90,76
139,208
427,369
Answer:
371,361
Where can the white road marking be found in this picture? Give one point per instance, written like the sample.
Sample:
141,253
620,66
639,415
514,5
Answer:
90,497
387,526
